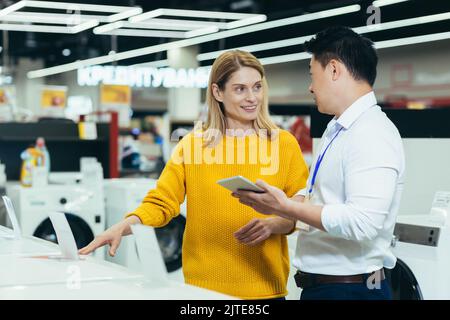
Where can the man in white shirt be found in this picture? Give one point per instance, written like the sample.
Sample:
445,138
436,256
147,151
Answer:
355,183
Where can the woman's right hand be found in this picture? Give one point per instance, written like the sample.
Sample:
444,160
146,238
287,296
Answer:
111,236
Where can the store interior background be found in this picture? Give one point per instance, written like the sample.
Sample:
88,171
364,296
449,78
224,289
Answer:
411,77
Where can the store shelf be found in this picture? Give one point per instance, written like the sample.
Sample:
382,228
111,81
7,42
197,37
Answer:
63,143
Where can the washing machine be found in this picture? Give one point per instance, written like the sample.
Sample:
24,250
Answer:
83,205
125,195
421,244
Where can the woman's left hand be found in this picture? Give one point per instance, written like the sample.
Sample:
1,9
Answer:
255,232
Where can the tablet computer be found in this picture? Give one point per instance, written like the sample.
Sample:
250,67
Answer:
239,182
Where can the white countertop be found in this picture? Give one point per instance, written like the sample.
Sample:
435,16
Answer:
26,274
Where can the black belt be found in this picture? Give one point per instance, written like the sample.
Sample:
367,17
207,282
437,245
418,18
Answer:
306,280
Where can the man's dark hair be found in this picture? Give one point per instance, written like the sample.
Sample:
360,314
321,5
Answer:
343,44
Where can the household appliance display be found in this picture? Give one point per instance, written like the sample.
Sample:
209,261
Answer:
110,290
24,245
85,278
125,195
83,205
422,244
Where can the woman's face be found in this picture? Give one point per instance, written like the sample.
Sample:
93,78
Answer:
242,95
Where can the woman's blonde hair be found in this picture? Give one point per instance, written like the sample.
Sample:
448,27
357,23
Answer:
222,69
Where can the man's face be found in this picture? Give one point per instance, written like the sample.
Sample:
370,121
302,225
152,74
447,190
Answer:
320,85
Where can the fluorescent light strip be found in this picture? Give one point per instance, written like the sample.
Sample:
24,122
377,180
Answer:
185,23
35,28
145,33
67,20
285,58
403,23
257,47
191,14
169,24
161,26
189,42
412,40
109,27
120,12
378,45
155,64
124,15
199,32
160,33
84,26
16,6
147,15
149,25
207,14
76,6
246,22
382,3
30,16
275,23
301,40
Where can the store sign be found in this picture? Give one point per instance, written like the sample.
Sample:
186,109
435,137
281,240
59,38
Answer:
145,77
114,94
53,96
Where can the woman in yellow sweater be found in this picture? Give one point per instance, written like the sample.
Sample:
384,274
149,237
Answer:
227,247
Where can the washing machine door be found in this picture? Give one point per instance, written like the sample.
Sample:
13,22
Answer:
81,231
170,240
403,283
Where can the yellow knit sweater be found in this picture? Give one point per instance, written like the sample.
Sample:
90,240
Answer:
212,257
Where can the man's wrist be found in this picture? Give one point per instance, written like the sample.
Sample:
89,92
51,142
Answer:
288,209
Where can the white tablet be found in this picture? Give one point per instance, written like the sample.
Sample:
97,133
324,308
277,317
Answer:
239,182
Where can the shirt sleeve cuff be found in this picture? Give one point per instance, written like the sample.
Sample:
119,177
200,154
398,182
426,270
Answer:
146,218
329,220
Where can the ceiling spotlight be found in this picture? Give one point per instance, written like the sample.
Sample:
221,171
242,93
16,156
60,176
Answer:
66,52
111,52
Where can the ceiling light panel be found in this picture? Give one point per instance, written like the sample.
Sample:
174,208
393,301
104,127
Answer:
188,28
74,21
192,41
361,30
47,18
192,14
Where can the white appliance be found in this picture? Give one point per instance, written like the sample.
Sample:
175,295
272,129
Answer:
87,278
422,248
119,289
125,195
83,205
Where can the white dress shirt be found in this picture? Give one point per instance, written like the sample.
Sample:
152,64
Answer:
359,184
